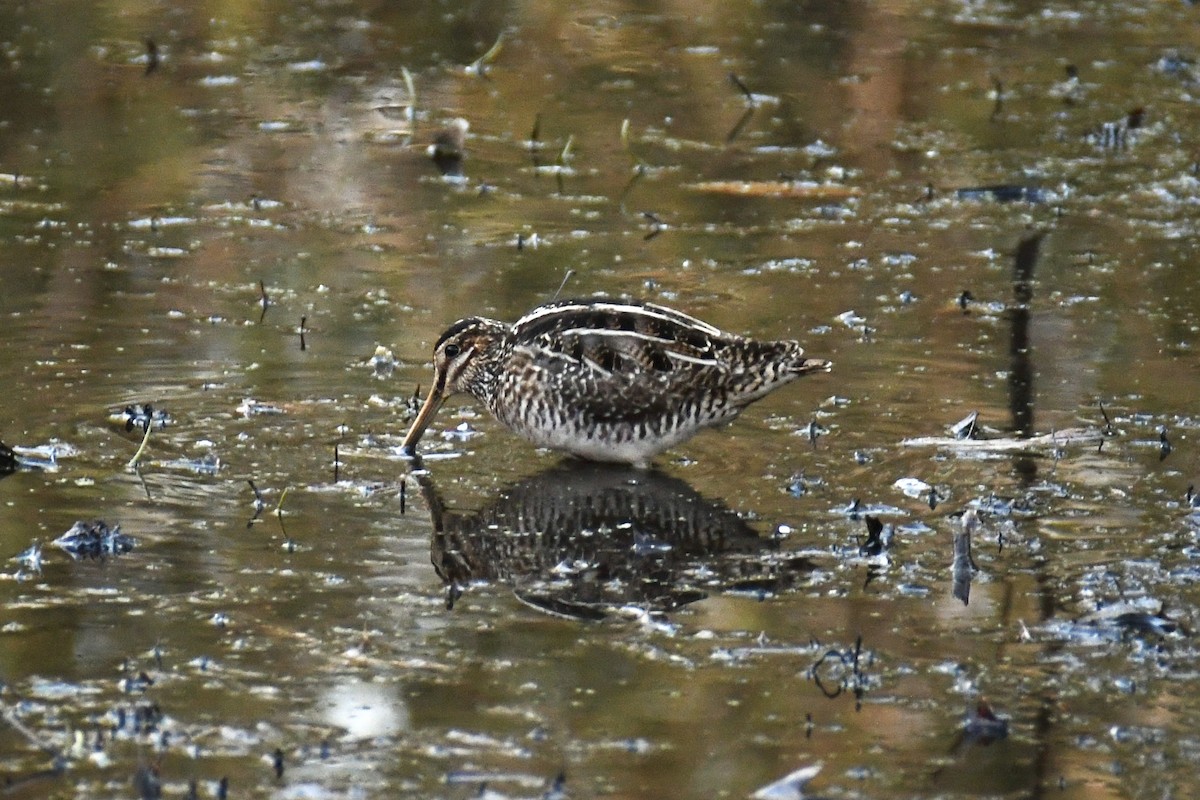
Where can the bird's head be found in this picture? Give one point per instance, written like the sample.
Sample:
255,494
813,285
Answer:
462,362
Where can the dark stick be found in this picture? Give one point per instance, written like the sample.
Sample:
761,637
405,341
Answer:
742,87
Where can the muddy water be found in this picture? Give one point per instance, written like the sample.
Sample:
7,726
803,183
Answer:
696,631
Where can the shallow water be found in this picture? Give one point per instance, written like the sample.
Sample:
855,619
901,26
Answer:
696,631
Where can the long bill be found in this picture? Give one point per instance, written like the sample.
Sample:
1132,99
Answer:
425,416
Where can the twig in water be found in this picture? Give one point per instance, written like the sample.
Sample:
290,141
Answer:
563,156
412,93
403,485
133,462
479,67
58,760
266,301
535,135
151,56
627,144
657,226
414,402
303,330
279,506
740,125
562,285
998,91
31,737
566,151
637,175
742,87
287,540
259,505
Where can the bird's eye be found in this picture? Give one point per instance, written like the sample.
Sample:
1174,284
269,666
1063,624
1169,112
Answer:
452,350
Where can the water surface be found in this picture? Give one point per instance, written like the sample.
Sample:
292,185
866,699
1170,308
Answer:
695,631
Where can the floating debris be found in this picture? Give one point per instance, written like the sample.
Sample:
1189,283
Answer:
95,540
851,319
263,299
479,66
856,508
1070,90
879,538
1164,443
1175,63
800,189
562,607
207,464
43,456
1012,444
140,416
30,559
1007,193
966,428
912,487
152,57
789,787
147,783
745,90
535,134
801,483
963,566
657,226
252,408
1191,497
383,362
449,148
260,504
839,671
1144,616
812,431
532,241
967,302
1144,623
983,726
1003,506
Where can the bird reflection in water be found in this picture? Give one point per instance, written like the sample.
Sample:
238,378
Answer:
585,540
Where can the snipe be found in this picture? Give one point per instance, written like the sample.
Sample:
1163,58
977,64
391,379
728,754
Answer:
607,380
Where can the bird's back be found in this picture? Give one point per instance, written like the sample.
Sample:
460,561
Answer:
600,377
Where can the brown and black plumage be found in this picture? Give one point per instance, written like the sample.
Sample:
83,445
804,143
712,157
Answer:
607,380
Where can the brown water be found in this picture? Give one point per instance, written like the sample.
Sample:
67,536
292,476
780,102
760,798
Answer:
278,144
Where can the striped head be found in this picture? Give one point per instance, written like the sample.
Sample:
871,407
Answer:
464,360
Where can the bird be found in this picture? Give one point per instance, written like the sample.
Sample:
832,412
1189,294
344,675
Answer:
606,379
